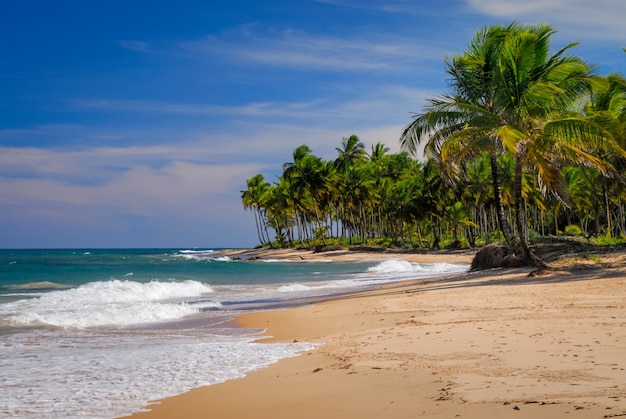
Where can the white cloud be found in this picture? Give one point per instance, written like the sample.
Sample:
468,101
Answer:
138,190
579,19
391,6
382,103
254,109
297,49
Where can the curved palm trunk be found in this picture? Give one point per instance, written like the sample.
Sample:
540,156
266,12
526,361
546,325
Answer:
505,227
257,222
520,210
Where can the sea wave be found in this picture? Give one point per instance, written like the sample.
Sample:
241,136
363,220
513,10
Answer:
385,271
296,288
200,255
400,266
109,303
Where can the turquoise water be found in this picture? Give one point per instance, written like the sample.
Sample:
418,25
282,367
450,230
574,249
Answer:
37,270
101,332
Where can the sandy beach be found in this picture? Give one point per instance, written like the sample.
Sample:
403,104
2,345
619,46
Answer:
490,344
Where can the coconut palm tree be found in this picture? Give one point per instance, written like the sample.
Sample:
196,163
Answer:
352,150
379,151
459,126
308,183
536,93
514,98
477,192
280,211
252,198
607,106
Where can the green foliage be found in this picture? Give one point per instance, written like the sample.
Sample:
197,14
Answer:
573,230
608,241
594,258
281,242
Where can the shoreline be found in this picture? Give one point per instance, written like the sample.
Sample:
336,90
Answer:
473,345
344,255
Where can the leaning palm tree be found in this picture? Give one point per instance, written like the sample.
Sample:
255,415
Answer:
460,125
536,93
514,98
252,198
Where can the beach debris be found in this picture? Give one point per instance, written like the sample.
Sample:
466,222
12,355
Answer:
444,394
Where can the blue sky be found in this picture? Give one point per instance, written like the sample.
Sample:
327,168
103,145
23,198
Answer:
136,123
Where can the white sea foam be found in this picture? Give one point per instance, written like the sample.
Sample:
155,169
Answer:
222,259
385,271
115,302
295,288
195,254
203,257
196,251
402,268
392,266
78,374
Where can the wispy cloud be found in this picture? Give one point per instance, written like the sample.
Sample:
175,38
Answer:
262,109
297,49
600,19
117,179
391,6
385,102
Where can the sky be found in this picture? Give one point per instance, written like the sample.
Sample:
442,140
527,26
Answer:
136,123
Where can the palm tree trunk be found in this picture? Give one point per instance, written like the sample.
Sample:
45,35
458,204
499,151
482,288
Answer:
505,227
520,209
257,222
622,222
607,210
419,233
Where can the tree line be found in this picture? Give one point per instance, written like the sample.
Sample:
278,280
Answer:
525,142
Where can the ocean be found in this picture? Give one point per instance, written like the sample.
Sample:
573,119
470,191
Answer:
100,333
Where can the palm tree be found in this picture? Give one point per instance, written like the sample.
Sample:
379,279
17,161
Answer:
536,91
436,196
379,151
459,126
357,193
308,182
477,192
298,154
511,95
253,198
607,106
352,150
300,175
456,215
280,211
